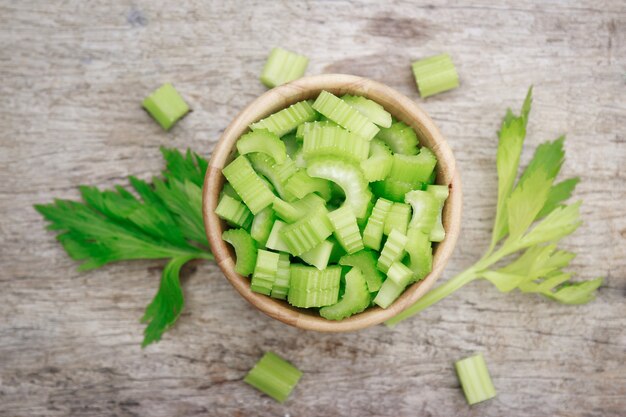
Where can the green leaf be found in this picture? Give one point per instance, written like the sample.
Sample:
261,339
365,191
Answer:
167,304
576,292
557,195
548,156
190,167
559,223
526,201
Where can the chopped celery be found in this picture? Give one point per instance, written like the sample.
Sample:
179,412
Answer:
370,109
373,233
356,298
344,115
264,272
305,128
277,174
233,211
309,203
248,184
378,165
475,379
287,119
311,287
337,251
365,260
230,191
425,209
393,251
245,250
301,184
335,141
435,74
283,66
274,376
440,192
308,232
262,141
262,225
349,177
291,143
346,229
274,239
398,277
280,288
393,190
166,106
397,218
400,138
286,211
319,255
420,253
414,169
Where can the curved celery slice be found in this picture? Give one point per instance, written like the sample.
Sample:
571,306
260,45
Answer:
286,211
292,144
233,211
344,115
378,165
397,218
335,141
262,225
393,251
348,177
264,272
276,173
398,278
311,287
274,376
414,169
346,229
435,74
373,233
365,260
305,128
280,288
275,240
245,250
356,298
400,138
250,187
319,255
307,233
308,203
425,209
287,119
283,66
262,141
370,109
300,184
392,189
475,379
337,251
420,252
440,193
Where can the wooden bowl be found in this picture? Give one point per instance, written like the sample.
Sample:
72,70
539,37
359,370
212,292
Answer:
401,107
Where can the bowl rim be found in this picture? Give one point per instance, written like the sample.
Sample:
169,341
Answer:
283,96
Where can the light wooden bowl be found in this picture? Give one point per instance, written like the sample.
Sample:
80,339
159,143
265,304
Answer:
401,107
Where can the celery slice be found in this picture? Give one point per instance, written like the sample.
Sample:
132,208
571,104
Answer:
349,177
309,202
414,169
398,278
435,74
440,193
307,127
425,209
400,138
262,225
166,106
233,211
370,109
475,379
280,288
292,144
301,184
319,255
245,250
346,229
373,233
283,66
344,115
356,298
393,251
311,287
287,119
307,233
378,165
365,260
277,174
286,211
250,187
335,141
393,190
230,191
264,272
420,252
337,252
397,218
274,376
262,141
275,240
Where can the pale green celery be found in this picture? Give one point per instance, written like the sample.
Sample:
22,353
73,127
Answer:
475,380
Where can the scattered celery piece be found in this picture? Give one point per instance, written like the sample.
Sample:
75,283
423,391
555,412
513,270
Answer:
233,211
475,379
283,66
274,376
370,109
250,187
166,106
435,75
288,119
440,193
245,250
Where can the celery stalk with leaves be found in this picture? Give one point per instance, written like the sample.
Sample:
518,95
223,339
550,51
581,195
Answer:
531,218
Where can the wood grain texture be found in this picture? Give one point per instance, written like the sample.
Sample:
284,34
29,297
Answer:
72,76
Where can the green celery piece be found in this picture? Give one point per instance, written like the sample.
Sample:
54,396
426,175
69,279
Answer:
344,115
335,141
414,169
365,261
435,75
288,119
370,109
265,270
319,256
283,66
397,218
475,379
301,184
400,138
286,211
166,106
262,225
311,287
378,165
420,253
307,127
356,298
230,191
245,250
346,229
373,233
250,187
308,232
393,190
274,376
274,240
233,211
277,174
440,192
425,210
393,251
398,277
262,141
280,288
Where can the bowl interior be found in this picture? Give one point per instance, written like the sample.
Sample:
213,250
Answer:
403,109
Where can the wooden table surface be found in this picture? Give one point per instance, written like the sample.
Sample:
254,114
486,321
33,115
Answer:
72,76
